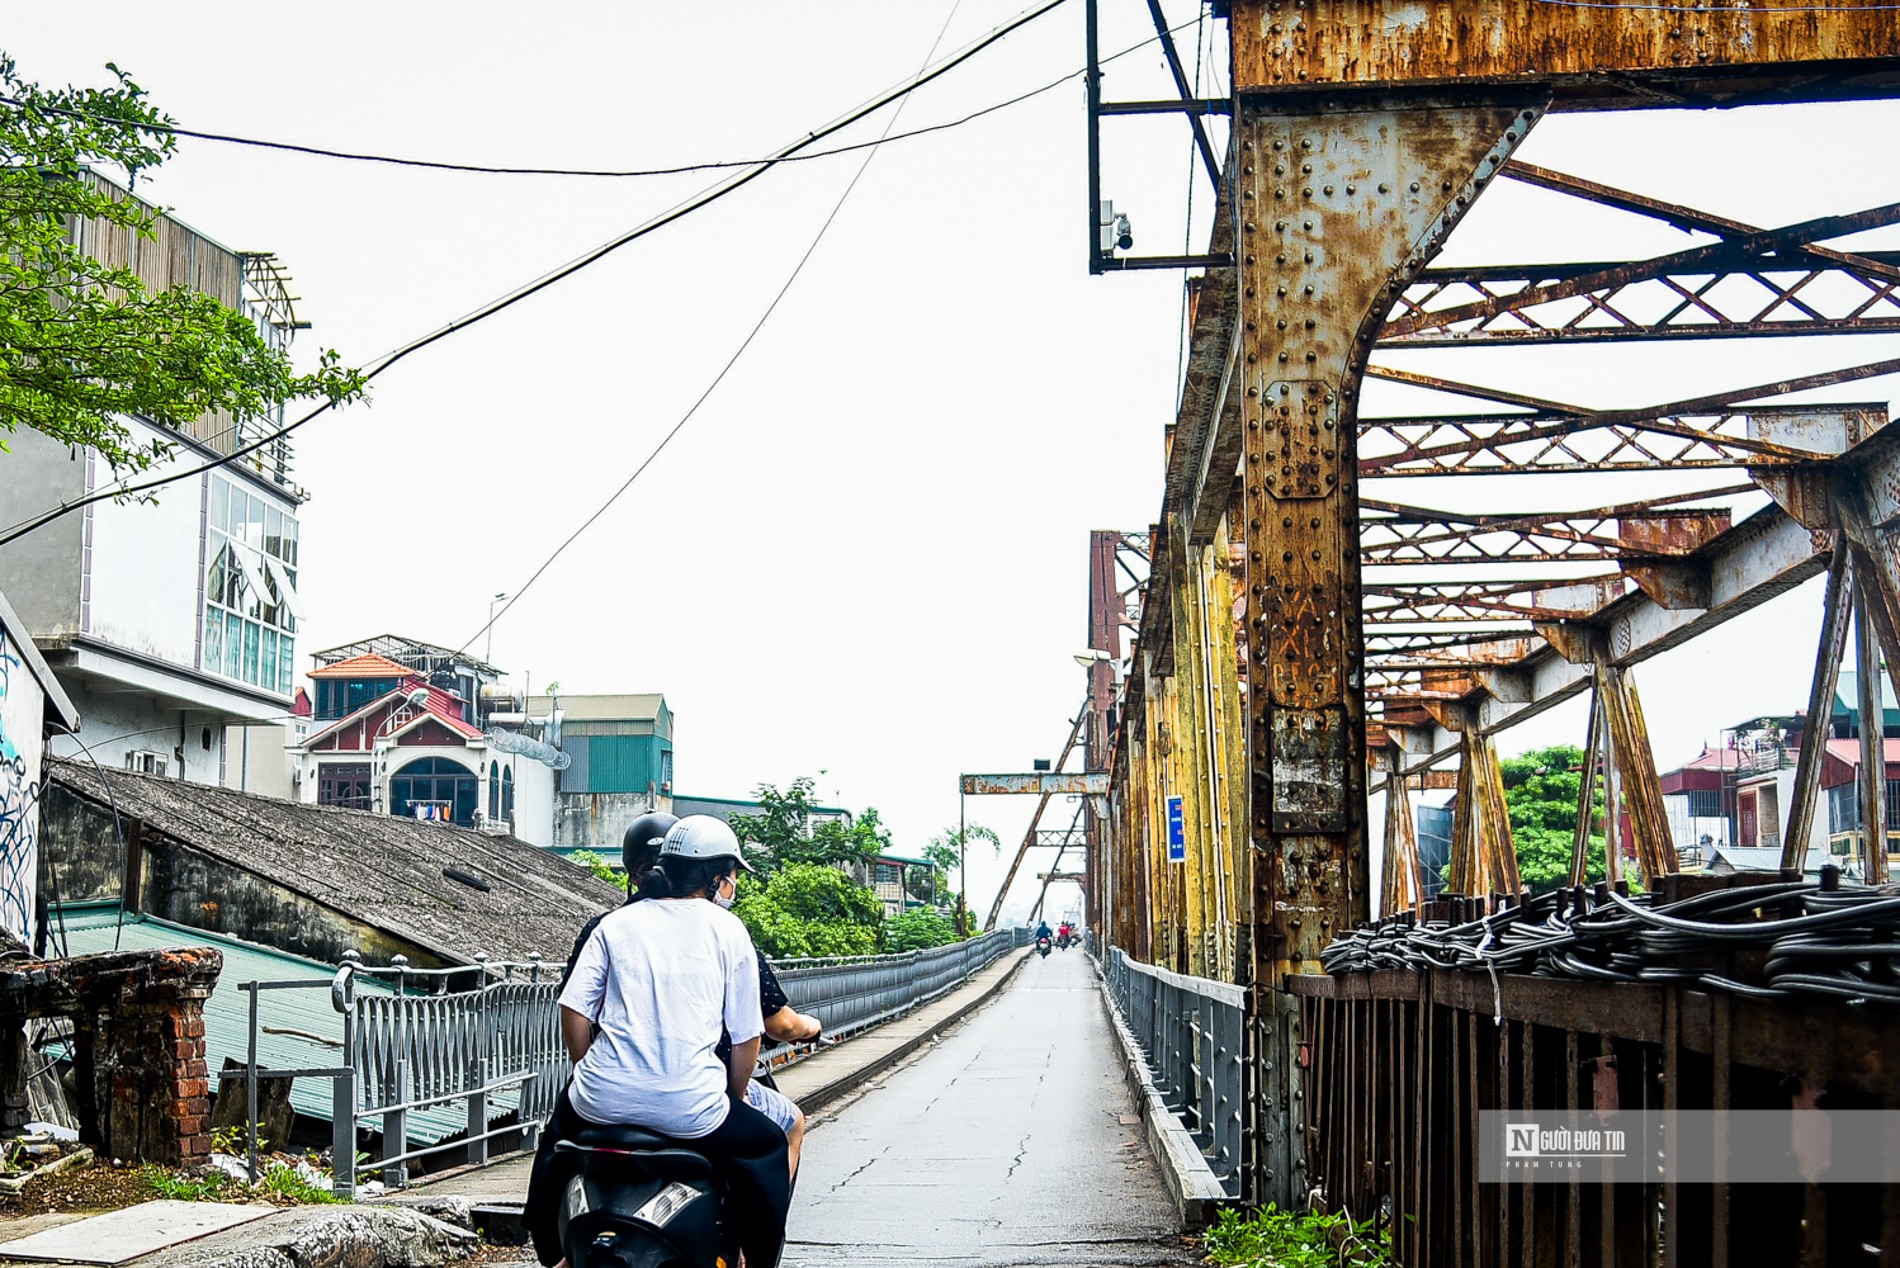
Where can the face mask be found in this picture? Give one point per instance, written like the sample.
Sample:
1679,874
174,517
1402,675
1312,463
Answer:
725,900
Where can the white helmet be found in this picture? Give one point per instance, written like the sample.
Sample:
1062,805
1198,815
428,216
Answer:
702,837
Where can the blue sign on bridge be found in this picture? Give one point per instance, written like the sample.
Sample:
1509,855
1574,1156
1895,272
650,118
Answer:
1177,832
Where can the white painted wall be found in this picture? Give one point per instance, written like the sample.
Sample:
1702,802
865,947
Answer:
113,724
22,715
255,761
145,566
534,799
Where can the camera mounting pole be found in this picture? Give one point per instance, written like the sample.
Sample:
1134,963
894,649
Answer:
1103,259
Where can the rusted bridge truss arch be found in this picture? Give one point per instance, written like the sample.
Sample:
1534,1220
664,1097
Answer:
1310,633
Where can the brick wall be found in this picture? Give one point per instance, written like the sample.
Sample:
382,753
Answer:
139,1045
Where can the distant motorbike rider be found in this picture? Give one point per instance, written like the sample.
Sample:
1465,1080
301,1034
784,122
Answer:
1042,932
652,991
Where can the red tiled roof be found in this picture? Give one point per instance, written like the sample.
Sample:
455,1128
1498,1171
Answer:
1848,751
368,665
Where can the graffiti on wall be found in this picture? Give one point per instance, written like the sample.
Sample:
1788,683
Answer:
19,793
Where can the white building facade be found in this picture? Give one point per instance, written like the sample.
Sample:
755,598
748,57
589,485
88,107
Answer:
168,620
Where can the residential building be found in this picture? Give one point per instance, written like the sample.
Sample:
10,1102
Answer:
165,621
411,729
1736,800
620,755
32,708
728,808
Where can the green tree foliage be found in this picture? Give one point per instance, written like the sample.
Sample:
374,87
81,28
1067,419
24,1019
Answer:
597,863
918,930
808,909
1540,791
82,343
785,831
946,851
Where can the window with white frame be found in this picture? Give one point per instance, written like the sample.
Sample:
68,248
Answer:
251,604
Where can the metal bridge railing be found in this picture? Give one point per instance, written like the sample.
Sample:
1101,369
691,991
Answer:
854,993
470,1044
1193,1033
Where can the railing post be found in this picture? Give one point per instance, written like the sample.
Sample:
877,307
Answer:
478,1111
250,1088
343,1134
396,1129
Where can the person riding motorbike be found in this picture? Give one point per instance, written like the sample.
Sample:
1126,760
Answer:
1042,931
639,849
1065,934
642,1016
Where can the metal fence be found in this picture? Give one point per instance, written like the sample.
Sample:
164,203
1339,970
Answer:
492,1046
850,994
454,1049
1193,1033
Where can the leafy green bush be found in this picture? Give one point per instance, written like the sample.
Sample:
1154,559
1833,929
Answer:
1272,1238
917,931
809,909
597,864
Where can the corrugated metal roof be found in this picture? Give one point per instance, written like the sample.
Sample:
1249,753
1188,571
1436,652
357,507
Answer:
637,707
297,1029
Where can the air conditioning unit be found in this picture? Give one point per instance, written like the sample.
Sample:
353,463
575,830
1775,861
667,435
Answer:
146,761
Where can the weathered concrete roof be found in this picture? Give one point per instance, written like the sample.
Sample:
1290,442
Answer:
385,871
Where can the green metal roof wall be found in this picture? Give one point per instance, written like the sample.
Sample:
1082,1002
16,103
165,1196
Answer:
284,1018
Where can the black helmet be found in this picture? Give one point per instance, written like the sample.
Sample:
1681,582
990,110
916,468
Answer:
641,845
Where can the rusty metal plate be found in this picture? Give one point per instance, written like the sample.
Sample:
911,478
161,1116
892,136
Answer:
1304,662
1301,424
1309,770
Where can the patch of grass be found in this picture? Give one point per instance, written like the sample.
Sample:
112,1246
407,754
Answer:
181,1187
282,1182
1272,1238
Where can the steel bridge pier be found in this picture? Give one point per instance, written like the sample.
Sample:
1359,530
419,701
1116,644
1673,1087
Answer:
1299,648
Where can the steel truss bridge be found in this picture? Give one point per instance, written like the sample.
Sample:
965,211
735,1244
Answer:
1299,633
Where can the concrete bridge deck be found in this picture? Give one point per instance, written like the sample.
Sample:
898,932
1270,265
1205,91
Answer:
1011,1141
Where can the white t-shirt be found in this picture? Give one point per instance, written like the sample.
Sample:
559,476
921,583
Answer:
661,978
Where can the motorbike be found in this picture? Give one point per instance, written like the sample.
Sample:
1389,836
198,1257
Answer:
1042,947
642,1200
638,1199
1064,940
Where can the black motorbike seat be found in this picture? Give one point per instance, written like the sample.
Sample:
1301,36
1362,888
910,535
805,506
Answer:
624,1136
646,1152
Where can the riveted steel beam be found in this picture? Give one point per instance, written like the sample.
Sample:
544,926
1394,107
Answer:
1607,56
1338,210
1514,444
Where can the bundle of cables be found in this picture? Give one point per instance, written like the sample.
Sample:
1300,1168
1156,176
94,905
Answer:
1781,940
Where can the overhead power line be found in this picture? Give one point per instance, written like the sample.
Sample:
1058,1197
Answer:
484,169
514,596
696,203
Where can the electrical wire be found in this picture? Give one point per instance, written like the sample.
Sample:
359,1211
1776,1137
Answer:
518,591
705,198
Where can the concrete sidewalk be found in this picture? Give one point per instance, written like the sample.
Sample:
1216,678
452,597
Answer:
815,1082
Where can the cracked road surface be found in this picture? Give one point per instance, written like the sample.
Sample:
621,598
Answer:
1012,1141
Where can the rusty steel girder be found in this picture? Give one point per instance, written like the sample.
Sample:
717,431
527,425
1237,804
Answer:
1506,444
1338,211
1397,534
1609,55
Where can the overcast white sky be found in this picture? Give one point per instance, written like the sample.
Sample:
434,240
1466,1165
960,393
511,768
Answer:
867,553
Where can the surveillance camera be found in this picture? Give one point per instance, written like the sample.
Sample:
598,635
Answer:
1124,234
